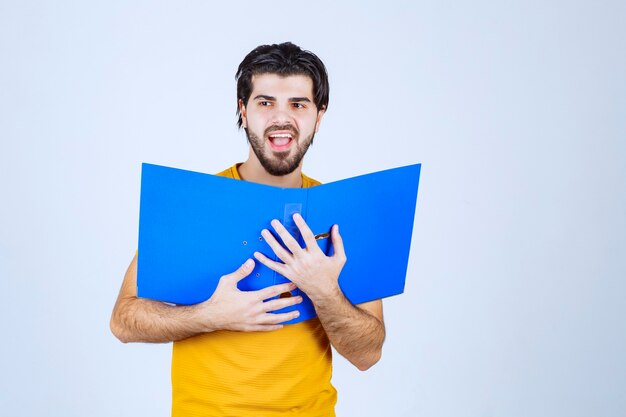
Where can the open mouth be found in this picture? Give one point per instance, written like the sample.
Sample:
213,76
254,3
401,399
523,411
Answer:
280,141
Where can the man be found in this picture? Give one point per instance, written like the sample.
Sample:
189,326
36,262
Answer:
232,355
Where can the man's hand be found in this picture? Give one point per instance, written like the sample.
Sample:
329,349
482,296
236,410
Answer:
142,320
309,268
357,332
232,309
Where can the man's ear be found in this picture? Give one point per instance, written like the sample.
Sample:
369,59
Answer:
244,115
320,115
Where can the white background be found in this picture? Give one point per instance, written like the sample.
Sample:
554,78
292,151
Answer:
515,296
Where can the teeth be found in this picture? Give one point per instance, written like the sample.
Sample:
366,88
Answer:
282,135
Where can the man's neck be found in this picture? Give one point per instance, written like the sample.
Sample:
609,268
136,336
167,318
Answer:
253,171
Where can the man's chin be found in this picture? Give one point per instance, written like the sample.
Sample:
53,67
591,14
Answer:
279,170
279,164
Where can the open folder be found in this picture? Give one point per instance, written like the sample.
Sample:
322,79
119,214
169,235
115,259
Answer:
195,228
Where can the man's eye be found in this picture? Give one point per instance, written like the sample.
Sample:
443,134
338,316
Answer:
265,103
298,105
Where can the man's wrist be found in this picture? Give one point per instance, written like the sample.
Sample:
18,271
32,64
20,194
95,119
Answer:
327,296
204,318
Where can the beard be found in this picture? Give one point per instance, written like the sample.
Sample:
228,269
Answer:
275,163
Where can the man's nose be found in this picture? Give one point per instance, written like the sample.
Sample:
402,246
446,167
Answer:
281,115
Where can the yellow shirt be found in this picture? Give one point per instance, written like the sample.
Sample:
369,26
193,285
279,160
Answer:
285,372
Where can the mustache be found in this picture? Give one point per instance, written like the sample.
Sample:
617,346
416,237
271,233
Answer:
287,127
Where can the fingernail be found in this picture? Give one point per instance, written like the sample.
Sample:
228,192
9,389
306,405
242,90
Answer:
248,264
298,299
296,314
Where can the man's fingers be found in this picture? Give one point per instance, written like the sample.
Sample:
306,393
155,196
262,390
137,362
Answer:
280,303
278,249
337,243
286,237
274,290
305,231
277,318
270,321
274,266
242,272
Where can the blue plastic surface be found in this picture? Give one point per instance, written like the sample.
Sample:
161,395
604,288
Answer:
194,228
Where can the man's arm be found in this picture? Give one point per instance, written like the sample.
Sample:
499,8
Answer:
357,332
142,320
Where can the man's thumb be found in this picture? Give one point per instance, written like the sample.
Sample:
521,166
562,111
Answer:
243,271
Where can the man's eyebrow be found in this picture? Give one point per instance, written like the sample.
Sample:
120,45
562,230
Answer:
291,100
264,97
298,99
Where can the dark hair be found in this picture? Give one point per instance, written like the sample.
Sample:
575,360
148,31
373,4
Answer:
283,59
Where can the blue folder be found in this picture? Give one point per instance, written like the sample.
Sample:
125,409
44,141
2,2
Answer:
195,227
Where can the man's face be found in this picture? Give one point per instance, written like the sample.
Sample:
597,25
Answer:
281,120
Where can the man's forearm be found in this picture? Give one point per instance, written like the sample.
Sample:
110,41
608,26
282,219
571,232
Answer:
143,320
354,332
